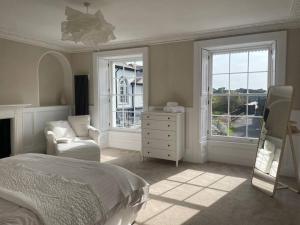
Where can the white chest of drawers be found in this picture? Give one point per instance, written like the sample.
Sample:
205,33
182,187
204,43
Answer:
163,135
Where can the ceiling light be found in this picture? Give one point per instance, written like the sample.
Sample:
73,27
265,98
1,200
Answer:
89,29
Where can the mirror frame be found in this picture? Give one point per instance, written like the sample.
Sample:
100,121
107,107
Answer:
283,142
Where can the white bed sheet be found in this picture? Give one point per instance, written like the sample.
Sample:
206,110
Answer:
121,191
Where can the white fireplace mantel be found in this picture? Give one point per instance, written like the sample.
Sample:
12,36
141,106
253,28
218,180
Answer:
15,113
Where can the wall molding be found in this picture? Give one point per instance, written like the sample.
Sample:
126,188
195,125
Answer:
291,23
22,38
34,120
295,9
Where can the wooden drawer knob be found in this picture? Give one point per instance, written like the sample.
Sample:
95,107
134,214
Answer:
169,125
169,118
169,145
169,135
168,155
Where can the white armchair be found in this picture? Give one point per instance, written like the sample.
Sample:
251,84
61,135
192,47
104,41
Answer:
74,138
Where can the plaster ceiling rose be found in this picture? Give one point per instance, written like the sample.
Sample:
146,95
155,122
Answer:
91,30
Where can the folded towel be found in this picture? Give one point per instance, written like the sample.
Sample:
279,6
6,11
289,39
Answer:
175,109
172,104
274,168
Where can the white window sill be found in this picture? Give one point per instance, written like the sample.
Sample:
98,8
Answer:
233,140
126,130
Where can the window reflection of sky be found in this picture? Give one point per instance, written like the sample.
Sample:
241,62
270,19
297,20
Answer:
237,64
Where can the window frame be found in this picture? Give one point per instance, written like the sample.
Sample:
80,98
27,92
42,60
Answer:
123,89
111,94
101,114
271,76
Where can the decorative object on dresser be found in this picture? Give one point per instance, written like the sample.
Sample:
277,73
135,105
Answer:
163,135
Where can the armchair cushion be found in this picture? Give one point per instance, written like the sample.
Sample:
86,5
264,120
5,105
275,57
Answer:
61,129
80,125
79,148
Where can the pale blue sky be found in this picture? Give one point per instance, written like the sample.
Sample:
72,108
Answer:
258,61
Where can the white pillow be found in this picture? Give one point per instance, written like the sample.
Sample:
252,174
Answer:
61,129
80,125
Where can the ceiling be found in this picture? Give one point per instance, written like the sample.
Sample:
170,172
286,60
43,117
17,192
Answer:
38,21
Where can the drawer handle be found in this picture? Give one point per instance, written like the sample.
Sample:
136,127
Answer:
169,145
147,117
169,135
148,152
168,125
168,155
148,133
148,142
169,118
148,124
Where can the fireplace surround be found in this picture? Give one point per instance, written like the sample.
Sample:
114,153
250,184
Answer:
5,138
15,114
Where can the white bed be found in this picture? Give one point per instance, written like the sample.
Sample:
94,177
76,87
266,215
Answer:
120,193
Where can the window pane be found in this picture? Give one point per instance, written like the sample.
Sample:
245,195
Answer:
238,105
138,101
237,127
219,105
256,105
127,93
258,82
239,62
220,63
118,118
258,60
118,70
138,114
124,119
219,125
254,126
220,84
138,88
238,83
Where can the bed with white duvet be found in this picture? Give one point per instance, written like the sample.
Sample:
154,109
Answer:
38,189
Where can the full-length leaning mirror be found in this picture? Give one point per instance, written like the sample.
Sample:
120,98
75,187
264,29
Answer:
272,138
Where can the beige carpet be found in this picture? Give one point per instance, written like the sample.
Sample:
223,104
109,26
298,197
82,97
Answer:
205,194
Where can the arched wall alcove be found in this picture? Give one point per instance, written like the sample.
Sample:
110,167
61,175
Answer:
54,79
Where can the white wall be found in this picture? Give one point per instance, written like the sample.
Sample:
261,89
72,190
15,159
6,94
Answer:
19,83
51,81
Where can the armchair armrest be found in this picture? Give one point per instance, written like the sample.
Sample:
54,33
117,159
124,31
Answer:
94,134
51,143
50,137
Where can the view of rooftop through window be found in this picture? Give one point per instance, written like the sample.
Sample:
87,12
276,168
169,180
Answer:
240,80
127,93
